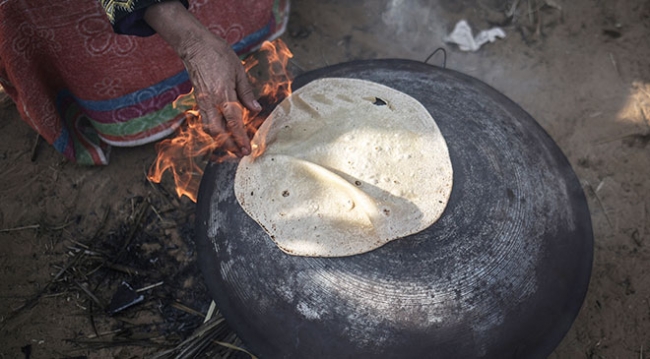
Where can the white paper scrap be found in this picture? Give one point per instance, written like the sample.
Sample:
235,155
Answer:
462,36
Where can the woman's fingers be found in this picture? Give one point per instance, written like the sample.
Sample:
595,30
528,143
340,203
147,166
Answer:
233,115
212,119
214,124
225,122
245,91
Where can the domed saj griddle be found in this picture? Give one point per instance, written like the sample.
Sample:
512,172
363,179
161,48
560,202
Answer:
502,274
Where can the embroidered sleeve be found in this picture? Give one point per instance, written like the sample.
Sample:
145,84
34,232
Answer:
127,16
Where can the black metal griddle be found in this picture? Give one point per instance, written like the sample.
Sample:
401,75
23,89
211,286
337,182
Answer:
502,274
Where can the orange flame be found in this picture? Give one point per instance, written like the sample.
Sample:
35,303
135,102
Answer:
183,153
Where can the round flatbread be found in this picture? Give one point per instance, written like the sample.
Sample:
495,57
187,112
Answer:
348,165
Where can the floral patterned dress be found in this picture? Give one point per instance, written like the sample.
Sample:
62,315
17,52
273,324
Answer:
89,74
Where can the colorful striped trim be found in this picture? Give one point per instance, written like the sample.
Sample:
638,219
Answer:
88,148
130,99
143,108
155,134
134,125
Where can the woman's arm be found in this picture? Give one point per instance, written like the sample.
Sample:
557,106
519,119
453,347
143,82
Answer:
220,82
127,17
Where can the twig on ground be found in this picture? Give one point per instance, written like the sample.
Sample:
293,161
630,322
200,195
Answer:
35,226
234,347
611,58
623,137
85,251
22,228
35,147
92,271
54,295
91,318
181,306
591,190
121,268
58,228
164,193
153,208
195,343
513,8
149,287
89,294
78,243
137,220
157,212
213,307
102,334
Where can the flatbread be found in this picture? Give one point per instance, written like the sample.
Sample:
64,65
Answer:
348,166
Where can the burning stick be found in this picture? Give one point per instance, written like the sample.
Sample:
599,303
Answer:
192,144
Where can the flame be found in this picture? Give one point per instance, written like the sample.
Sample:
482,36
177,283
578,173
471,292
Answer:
183,154
273,88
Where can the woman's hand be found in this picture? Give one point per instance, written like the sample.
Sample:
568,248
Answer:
220,87
220,82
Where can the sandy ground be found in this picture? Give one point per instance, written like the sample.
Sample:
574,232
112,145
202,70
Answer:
579,67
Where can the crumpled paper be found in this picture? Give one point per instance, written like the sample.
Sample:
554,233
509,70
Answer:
462,36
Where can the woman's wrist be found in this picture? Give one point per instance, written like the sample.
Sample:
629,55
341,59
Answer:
177,26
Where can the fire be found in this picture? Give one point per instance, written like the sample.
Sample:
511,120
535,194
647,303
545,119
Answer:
183,154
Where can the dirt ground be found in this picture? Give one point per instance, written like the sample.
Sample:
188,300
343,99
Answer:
72,234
